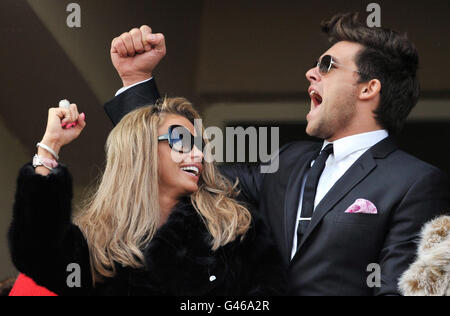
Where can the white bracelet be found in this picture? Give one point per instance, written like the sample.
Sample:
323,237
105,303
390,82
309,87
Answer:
43,146
38,161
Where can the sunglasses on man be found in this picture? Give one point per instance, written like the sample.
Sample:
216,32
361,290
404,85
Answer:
181,140
326,63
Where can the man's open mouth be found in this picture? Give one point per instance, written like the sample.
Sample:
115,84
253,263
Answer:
316,98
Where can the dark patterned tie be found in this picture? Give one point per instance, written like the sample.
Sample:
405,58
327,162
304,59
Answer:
309,194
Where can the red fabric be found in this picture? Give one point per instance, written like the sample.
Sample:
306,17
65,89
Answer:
25,286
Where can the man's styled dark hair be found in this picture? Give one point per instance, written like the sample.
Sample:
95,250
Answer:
388,57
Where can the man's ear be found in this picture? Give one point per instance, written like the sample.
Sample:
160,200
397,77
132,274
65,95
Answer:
370,89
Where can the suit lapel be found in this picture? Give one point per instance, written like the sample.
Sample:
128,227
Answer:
292,198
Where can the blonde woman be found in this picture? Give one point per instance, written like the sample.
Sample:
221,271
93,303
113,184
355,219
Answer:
162,221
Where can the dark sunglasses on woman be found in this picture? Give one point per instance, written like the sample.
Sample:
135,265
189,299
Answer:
181,140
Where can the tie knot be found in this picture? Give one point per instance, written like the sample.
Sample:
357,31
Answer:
328,150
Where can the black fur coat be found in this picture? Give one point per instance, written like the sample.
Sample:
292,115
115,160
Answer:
179,261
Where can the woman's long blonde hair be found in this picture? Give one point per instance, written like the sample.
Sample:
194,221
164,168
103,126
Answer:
122,215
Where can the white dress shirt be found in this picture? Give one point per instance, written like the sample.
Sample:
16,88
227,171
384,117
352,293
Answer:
123,89
346,151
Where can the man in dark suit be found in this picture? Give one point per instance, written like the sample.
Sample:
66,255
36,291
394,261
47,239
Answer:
345,213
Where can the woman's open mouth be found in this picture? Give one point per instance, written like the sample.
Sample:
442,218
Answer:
192,170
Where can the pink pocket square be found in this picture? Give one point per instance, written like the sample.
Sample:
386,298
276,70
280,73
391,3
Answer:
363,207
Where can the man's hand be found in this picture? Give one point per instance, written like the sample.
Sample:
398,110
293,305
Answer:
135,54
